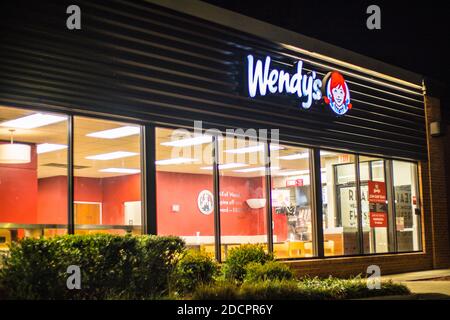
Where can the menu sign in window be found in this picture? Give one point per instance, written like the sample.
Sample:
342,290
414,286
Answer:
377,204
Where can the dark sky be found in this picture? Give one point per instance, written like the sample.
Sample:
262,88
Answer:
413,36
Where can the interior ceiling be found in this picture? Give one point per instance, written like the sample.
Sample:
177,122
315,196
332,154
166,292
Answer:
53,163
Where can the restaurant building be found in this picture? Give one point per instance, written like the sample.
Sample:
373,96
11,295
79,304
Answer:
181,118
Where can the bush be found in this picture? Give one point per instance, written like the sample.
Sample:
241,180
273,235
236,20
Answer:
271,270
135,267
238,258
307,289
194,268
218,291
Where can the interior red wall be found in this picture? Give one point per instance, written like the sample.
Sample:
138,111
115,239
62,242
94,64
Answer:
18,191
45,201
52,196
116,191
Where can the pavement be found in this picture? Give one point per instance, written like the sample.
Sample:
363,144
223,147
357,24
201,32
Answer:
424,285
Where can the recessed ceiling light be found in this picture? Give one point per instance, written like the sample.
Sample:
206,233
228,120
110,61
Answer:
112,155
33,121
174,161
257,148
120,170
256,169
296,156
115,133
49,147
188,142
292,173
226,166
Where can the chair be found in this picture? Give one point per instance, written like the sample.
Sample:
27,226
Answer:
296,248
328,247
281,249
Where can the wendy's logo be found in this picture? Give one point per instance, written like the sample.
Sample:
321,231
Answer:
336,94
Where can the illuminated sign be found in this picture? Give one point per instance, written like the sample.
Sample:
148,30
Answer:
337,94
263,80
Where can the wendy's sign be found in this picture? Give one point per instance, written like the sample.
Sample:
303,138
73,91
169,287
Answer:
262,80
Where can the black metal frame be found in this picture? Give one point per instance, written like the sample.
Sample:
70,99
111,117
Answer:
70,179
148,179
216,186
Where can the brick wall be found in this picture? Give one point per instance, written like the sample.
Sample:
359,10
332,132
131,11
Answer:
438,177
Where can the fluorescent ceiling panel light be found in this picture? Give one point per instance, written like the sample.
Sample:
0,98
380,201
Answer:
302,155
326,153
226,166
188,142
49,147
115,133
174,161
256,169
112,155
120,170
33,121
292,173
256,148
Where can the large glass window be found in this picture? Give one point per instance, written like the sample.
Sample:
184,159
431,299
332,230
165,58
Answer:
291,203
243,203
340,215
107,177
184,180
33,174
407,206
374,204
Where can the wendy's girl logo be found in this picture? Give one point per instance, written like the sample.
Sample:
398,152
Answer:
337,94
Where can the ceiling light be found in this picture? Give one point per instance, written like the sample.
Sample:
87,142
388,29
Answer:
115,133
226,166
255,169
292,173
15,153
120,170
33,121
188,142
326,153
295,156
49,147
174,161
112,155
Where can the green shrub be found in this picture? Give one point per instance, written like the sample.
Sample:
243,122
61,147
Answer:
193,269
353,288
307,289
271,270
238,258
217,291
110,265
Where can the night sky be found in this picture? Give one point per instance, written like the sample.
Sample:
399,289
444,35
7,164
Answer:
413,36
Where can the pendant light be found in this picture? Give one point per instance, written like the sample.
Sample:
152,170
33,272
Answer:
14,153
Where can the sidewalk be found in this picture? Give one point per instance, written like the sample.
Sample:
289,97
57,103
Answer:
425,284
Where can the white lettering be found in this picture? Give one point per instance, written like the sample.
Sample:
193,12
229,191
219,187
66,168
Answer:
262,78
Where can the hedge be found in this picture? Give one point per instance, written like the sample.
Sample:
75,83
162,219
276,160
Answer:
133,267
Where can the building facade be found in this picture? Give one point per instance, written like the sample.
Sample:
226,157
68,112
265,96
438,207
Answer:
180,118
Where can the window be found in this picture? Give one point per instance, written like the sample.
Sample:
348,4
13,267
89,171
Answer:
374,204
184,181
33,174
407,206
243,203
291,203
340,219
107,177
